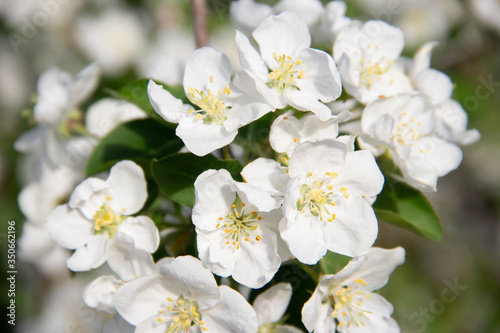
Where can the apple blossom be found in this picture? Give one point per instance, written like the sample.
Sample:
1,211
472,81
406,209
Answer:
345,301
98,211
183,297
326,201
287,71
236,227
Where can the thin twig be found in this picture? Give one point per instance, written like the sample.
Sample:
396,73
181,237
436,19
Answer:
200,13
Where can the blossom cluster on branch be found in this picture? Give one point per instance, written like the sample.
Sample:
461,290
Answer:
306,195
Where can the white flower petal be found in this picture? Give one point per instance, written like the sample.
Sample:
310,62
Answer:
167,106
248,14
88,196
249,58
202,139
284,130
143,231
377,267
266,174
90,256
305,102
140,299
286,34
361,173
85,83
318,157
207,69
214,198
322,78
232,314
127,261
69,228
127,187
354,229
434,84
99,293
271,305
201,287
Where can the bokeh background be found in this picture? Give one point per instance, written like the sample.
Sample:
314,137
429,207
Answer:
447,286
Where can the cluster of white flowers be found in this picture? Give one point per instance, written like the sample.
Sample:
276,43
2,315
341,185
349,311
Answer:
315,197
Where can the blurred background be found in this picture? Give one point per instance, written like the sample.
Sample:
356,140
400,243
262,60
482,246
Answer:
447,286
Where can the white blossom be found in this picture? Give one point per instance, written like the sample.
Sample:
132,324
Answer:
345,301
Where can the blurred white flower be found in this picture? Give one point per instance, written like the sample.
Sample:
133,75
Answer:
107,113
487,12
270,307
346,302
115,39
406,124
367,56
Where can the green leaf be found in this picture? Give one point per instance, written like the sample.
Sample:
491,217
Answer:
175,174
333,262
406,207
136,92
144,138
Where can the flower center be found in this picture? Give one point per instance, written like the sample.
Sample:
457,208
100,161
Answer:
347,302
185,313
72,125
318,195
106,220
408,131
239,224
212,107
283,76
371,70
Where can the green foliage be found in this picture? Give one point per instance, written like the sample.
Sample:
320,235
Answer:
406,207
136,92
175,174
144,138
333,262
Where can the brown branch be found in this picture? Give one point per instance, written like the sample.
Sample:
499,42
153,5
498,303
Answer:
200,13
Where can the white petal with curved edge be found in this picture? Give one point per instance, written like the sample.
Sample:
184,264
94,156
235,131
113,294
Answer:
270,306
434,84
281,34
232,314
69,228
214,198
248,14
85,83
249,58
319,157
53,88
321,78
284,131
207,69
99,293
127,261
90,256
361,173
378,266
354,229
311,310
266,174
165,104
257,261
305,102
143,231
128,187
190,278
140,299
202,139
88,196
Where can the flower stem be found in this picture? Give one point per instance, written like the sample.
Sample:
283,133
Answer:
200,14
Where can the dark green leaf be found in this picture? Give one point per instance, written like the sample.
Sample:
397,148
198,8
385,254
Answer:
175,174
332,262
406,207
137,93
144,138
